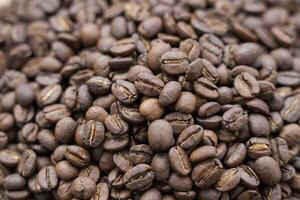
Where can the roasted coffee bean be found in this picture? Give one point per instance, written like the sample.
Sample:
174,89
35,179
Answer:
174,62
27,163
9,158
14,182
180,183
123,160
235,155
191,48
124,91
139,177
280,150
267,170
202,153
148,84
160,135
77,156
179,161
179,121
161,166
91,172
66,171
49,95
235,119
83,187
102,192
257,147
248,176
65,130
140,154
246,85
131,114
291,109
205,88
190,137
90,133
228,180
290,133
47,178
115,124
207,173
99,85
170,93
151,109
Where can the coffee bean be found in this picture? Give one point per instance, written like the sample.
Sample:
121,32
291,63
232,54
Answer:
151,109
291,108
77,156
115,124
139,177
140,154
65,129
14,182
161,166
248,176
246,85
102,192
47,178
27,163
290,133
190,137
49,95
207,173
180,183
179,161
257,147
99,85
66,171
280,150
205,88
174,62
123,160
9,158
83,188
170,93
228,180
148,84
160,135
267,170
211,48
91,172
235,119
235,155
90,133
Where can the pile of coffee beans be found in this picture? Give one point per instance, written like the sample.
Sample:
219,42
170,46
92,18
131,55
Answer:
150,100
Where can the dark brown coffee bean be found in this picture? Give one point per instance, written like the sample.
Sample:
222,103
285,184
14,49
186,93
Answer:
139,177
248,176
14,182
235,119
102,192
124,47
207,173
156,51
116,125
49,95
140,154
228,180
191,48
205,88
9,158
267,170
99,85
235,155
47,178
211,48
27,163
170,93
190,137
65,130
280,150
77,156
291,109
124,91
161,166
150,27
90,133
179,161
194,69
25,95
148,84
83,188
174,62
151,109
180,183
151,194
123,160
246,85
66,171
290,133
91,171
257,147
160,135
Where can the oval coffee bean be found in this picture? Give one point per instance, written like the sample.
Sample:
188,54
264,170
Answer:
179,161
